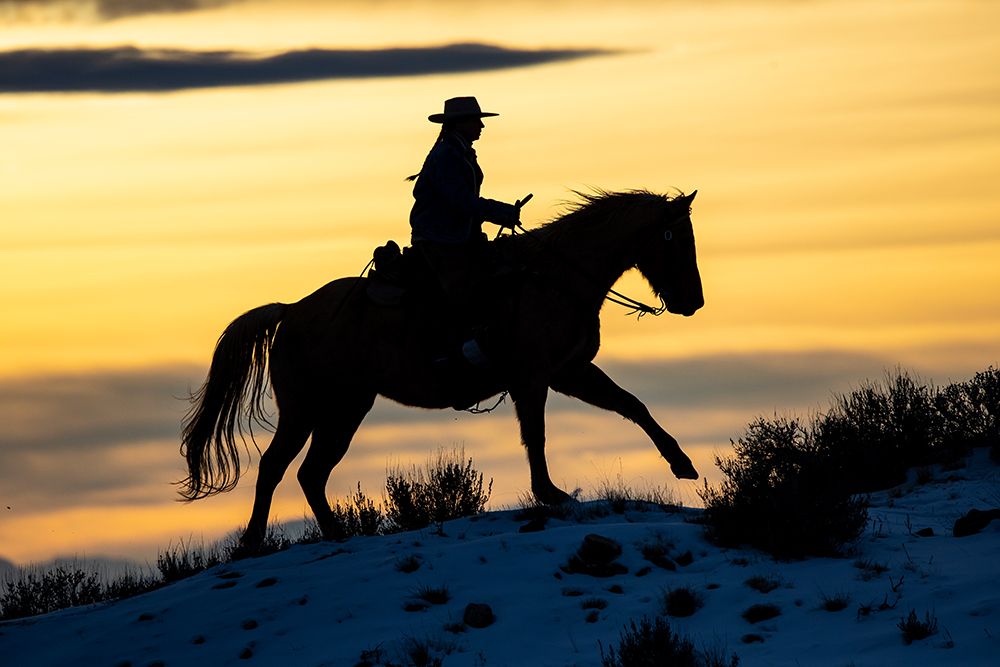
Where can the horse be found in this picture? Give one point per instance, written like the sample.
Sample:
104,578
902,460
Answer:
331,354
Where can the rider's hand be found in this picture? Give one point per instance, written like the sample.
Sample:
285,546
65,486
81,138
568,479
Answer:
501,213
509,216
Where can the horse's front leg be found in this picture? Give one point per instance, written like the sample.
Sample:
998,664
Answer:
589,384
529,405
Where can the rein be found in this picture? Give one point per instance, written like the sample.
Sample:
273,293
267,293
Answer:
637,308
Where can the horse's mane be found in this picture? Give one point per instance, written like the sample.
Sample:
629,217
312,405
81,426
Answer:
593,212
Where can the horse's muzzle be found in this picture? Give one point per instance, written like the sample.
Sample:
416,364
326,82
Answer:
685,309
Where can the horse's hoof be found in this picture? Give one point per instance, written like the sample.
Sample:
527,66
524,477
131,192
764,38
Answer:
335,535
553,496
242,551
248,546
684,470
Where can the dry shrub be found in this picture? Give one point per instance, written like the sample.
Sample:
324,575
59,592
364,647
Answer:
779,495
447,487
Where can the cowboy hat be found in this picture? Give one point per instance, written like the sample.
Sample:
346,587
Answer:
460,108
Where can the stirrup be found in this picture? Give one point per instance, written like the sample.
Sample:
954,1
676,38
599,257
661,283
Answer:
473,353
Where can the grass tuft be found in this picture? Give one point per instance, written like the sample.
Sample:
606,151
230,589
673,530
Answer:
763,584
651,642
914,629
833,603
433,595
761,612
682,602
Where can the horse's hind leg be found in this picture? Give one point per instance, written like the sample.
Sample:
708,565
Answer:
288,440
589,384
529,404
330,441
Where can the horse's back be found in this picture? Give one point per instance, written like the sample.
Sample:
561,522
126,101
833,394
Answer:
339,304
337,295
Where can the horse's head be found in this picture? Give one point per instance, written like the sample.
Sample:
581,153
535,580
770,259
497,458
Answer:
668,260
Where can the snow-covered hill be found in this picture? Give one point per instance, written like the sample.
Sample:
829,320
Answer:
335,604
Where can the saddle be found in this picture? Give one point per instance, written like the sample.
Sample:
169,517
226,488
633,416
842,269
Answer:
397,272
392,274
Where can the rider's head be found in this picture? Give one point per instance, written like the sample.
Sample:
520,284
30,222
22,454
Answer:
463,116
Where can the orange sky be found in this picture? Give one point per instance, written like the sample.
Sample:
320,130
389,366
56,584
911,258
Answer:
845,155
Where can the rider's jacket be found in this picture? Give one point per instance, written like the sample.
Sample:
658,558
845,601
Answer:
447,207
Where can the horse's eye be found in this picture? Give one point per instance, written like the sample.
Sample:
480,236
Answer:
668,235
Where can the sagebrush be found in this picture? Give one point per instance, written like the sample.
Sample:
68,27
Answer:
794,488
359,515
650,643
40,592
778,495
447,487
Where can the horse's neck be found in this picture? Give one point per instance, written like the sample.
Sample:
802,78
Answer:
589,268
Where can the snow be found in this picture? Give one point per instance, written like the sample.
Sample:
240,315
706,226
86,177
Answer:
327,604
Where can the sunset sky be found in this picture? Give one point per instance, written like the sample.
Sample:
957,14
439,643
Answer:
166,165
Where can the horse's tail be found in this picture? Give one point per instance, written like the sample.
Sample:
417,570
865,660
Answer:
231,395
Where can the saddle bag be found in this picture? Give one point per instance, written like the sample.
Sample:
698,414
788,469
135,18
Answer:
387,264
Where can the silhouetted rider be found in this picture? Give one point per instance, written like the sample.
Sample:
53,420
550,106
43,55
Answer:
448,211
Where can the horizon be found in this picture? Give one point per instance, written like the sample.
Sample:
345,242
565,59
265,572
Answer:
845,156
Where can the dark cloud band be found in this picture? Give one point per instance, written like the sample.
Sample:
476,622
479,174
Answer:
113,9
129,69
108,10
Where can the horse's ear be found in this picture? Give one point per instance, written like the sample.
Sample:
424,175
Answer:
686,200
